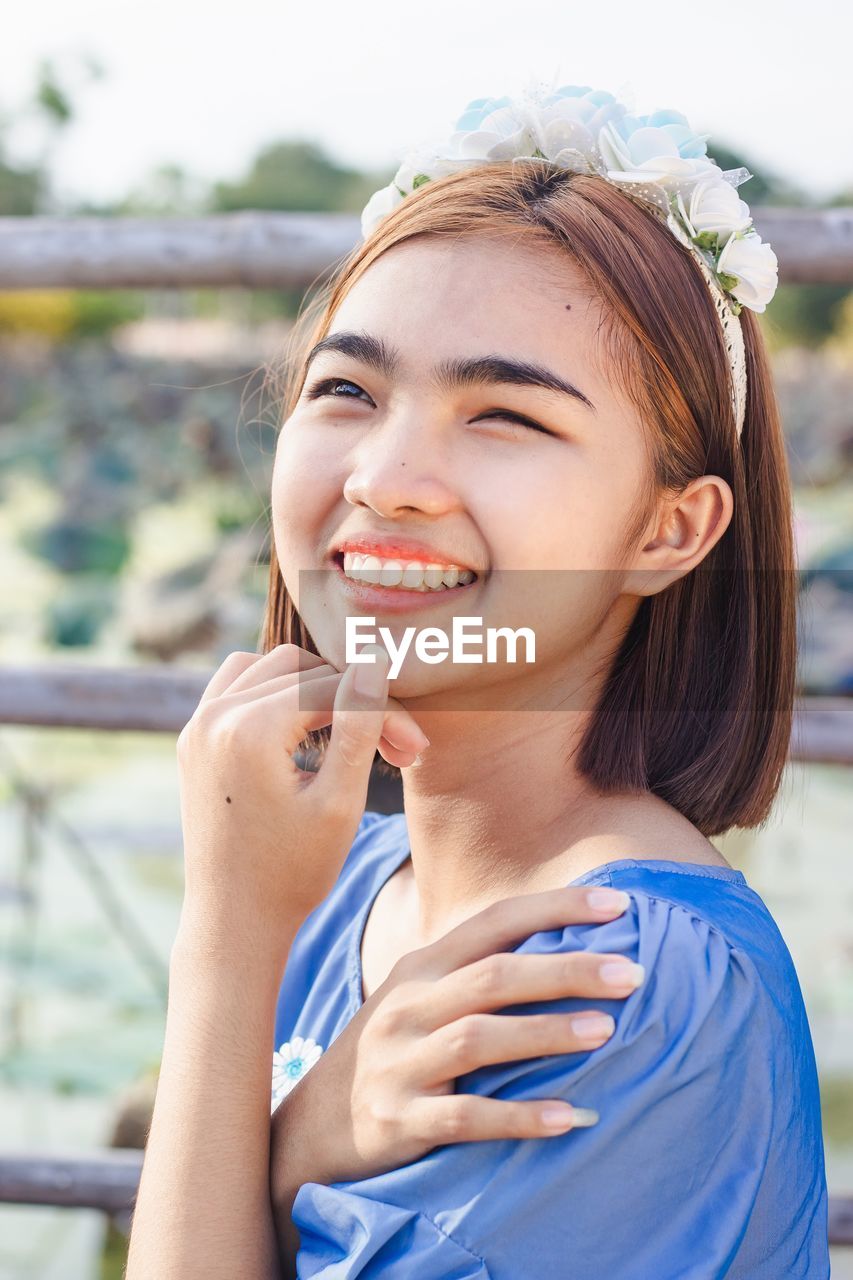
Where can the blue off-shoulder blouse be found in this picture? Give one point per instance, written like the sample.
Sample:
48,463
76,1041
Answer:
707,1160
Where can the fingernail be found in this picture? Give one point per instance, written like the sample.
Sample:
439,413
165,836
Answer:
370,676
592,1026
608,900
560,1115
421,749
584,1117
418,760
622,973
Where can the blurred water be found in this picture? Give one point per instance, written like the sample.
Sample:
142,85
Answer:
81,1018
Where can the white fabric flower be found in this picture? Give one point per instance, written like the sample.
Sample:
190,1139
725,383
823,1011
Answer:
290,1063
418,165
379,204
754,267
713,206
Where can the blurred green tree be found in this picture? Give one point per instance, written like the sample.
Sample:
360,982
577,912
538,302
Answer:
26,188
52,97
21,188
295,176
168,190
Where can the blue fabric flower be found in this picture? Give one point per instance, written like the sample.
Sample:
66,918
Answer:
477,110
635,140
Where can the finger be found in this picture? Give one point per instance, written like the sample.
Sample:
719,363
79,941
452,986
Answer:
291,711
283,712
316,704
483,1039
283,660
508,978
231,669
278,720
240,670
394,755
402,739
402,731
401,734
466,1117
357,720
286,713
253,689
507,922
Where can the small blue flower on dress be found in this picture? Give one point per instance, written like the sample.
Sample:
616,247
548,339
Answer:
289,1064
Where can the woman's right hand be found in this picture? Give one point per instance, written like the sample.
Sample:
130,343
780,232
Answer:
383,1093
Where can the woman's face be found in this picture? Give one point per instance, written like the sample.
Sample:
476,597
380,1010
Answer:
412,453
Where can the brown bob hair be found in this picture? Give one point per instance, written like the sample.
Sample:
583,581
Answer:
698,704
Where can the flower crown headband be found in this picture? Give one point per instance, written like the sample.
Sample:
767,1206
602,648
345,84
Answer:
656,158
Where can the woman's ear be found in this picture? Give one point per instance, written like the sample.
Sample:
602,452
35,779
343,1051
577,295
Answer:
689,526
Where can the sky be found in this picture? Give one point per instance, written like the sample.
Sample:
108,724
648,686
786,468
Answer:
206,84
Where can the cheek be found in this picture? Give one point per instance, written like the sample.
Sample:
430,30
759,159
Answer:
550,513
304,482
557,530
295,456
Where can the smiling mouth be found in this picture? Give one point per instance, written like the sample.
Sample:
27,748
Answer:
402,575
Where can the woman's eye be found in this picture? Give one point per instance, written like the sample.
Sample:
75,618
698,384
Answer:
328,387
521,419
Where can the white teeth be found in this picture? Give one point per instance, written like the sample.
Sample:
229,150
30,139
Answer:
391,574
412,575
371,568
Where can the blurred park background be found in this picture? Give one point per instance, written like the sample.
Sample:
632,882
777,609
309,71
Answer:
137,430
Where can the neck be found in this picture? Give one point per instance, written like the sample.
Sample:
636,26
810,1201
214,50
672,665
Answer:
498,807
492,804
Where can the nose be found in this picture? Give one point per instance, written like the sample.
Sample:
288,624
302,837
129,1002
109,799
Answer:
402,465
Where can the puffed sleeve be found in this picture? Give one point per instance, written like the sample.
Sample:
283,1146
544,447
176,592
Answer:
663,1186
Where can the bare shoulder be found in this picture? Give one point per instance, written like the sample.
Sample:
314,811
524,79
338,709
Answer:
645,826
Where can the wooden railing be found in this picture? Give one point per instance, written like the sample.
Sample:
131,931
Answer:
109,1181
269,250
277,250
161,700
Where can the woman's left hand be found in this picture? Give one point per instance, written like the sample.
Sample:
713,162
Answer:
383,1094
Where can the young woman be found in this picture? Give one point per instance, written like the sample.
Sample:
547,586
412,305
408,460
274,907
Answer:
536,1025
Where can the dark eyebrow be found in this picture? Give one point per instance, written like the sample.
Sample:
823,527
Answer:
460,372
